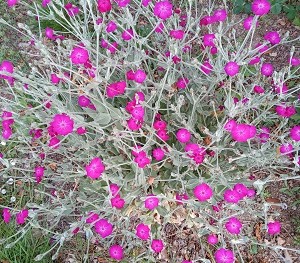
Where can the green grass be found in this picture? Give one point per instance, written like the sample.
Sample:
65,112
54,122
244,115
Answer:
25,250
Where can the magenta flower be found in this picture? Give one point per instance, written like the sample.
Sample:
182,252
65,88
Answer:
294,61
183,135
248,23
212,239
285,111
229,125
6,215
127,34
203,192
93,217
274,228
104,6
159,125
220,15
286,149
8,67
157,245
45,2
258,89
133,124
79,55
7,133
49,33
160,27
158,154
145,3
21,217
182,83
114,189
233,226
111,27
163,9
143,231
254,61
138,112
115,89
39,173
186,261
295,133
243,132
95,168
140,76
241,189
62,124
206,68
163,135
223,255
117,202
260,7
180,197
142,159
72,9
273,37
55,79
231,196
116,252
231,68
208,40
54,143
12,3
103,228
251,193
83,101
267,69
177,34
151,202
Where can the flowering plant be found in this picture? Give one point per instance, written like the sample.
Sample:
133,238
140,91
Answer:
151,111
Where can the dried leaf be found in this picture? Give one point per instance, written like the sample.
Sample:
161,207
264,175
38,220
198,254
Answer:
257,231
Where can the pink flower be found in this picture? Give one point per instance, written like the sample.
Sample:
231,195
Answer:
145,3
133,124
295,133
151,202
158,154
54,142
21,217
8,67
104,6
159,125
285,111
274,228
143,231
223,255
79,55
157,245
115,89
117,202
122,3
177,34
6,133
208,40
39,173
260,7
206,67
140,76
113,47
282,89
49,33
95,168
11,3
212,239
55,79
233,225
160,27
71,9
266,69
231,68
83,101
127,34
116,252
142,159
251,193
254,61
92,218
6,215
103,228
163,135
114,189
203,192
220,15
248,23
111,27
286,149
243,132
130,74
258,89
186,261
183,135
231,196
180,197
163,9
45,2
62,124
241,189
295,61
182,83
273,37
229,125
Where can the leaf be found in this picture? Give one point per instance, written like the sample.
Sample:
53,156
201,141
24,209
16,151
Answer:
296,21
276,9
237,9
248,8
